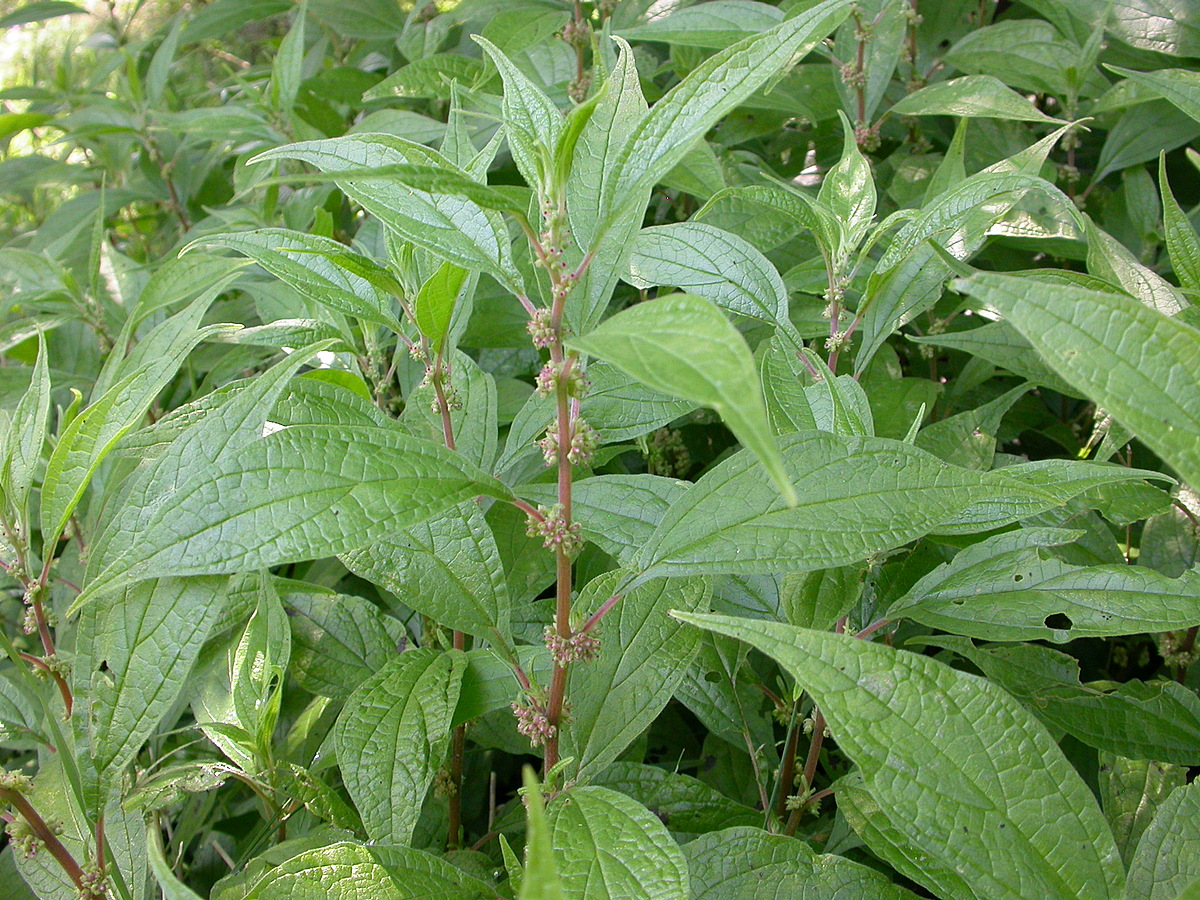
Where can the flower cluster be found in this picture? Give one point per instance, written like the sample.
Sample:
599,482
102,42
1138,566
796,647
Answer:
555,531
551,376
540,329
581,646
532,722
582,446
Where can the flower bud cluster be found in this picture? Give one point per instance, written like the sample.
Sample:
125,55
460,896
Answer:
540,329
578,34
93,883
548,380
555,531
584,442
866,136
533,722
581,646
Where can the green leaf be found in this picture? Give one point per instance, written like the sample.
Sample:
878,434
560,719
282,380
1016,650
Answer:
287,67
25,433
777,213
960,766
859,497
769,866
346,871
972,96
172,888
713,264
532,122
684,346
40,11
608,845
1140,365
540,880
1108,258
429,77
92,435
709,92
711,25
848,192
134,652
318,268
1131,791
685,805
644,654
1180,86
1158,719
1009,587
1167,859
447,568
435,302
299,493
454,228
392,736
159,70
1182,243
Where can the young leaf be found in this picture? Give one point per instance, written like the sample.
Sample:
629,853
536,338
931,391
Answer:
435,302
299,493
1182,243
540,880
25,433
710,91
643,655
848,192
684,346
286,70
392,736
967,773
608,845
1140,365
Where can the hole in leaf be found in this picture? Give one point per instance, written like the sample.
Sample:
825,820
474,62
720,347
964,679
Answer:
1018,577
1059,621
712,677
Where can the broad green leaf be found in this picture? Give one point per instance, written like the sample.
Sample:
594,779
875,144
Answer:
1131,791
960,766
643,655
684,804
969,438
92,435
720,689
429,77
1141,133
1136,719
159,69
712,25
608,846
858,497
1108,258
972,96
1026,54
298,493
25,434
1182,243
1010,587
891,843
773,213
1141,366
713,264
447,568
392,736
1003,346
346,871
540,880
455,228
769,866
338,640
134,652
258,665
1167,859
684,346
435,302
532,122
709,92
1180,86
783,378
303,262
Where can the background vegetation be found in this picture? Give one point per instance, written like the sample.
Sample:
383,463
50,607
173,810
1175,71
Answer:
770,424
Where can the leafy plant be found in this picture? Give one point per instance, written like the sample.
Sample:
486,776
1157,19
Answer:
554,449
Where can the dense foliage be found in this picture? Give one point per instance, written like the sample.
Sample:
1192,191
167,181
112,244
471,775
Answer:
549,449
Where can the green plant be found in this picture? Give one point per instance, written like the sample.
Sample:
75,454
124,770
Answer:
776,424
